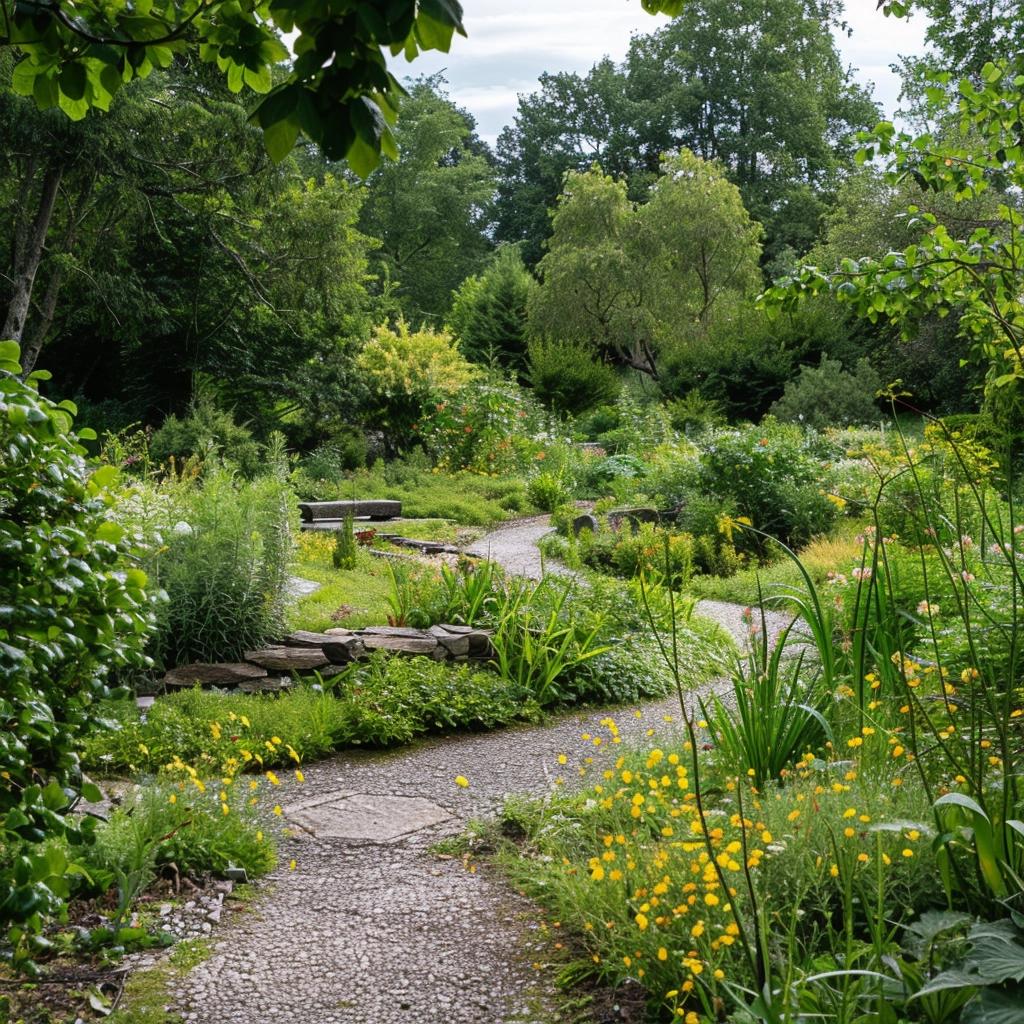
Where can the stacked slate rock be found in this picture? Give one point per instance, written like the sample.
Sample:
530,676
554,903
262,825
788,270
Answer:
330,652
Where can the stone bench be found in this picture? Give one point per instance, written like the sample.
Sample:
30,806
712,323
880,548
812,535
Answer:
315,511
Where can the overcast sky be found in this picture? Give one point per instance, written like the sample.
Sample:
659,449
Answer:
510,44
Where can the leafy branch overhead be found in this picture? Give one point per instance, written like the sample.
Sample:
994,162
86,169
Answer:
980,274
336,88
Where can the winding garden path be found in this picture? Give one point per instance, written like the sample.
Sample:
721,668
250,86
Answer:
370,926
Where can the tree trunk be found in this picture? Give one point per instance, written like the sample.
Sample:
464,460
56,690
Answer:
24,271
47,309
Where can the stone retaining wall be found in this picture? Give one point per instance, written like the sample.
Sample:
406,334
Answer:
330,652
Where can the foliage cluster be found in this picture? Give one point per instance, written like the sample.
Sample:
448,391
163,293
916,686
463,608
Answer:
77,609
221,548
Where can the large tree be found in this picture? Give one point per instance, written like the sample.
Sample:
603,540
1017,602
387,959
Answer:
636,280
193,258
757,85
431,209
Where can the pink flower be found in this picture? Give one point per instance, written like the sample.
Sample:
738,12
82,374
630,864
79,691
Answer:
862,572
966,576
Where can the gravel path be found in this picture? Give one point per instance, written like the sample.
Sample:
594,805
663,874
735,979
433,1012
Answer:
380,930
514,547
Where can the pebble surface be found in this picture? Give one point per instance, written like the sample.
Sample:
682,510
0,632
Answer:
364,932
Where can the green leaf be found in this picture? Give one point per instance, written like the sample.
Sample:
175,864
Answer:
104,477
994,1007
279,138
72,80
45,91
136,578
23,78
110,532
990,73
433,34
10,352
91,792
961,800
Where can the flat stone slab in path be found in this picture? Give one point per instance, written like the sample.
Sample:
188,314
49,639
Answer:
372,817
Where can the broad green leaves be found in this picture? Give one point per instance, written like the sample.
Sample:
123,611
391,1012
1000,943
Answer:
337,92
73,610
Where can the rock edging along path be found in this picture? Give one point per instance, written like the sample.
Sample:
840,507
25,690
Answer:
370,927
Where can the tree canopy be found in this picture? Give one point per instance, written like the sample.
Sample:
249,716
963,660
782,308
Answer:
758,86
634,279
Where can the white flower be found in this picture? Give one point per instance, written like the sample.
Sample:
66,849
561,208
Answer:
181,529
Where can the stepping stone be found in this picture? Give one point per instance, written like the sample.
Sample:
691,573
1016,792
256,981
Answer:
288,659
365,816
584,522
227,674
304,638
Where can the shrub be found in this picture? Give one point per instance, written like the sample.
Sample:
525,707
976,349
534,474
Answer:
343,453
568,379
205,432
224,563
344,554
771,475
490,427
600,474
408,372
695,412
548,491
826,394
76,609
627,553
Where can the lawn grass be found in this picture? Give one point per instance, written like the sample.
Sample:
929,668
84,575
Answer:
359,597
347,597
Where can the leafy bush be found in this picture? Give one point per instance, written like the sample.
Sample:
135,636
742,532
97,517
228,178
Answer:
205,432
826,394
548,491
224,561
341,454
407,372
695,412
771,475
601,474
76,609
568,379
492,426
627,553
